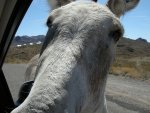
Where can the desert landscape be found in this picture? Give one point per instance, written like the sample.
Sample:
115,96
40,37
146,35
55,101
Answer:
128,85
123,94
132,56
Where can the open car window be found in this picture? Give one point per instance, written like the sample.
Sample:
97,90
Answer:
19,45
11,14
128,83
26,43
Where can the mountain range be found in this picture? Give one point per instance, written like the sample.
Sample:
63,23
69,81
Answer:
132,56
21,40
126,47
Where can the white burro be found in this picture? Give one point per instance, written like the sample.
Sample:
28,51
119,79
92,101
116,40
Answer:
72,69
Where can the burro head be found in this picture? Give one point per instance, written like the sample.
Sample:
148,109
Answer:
78,58
98,26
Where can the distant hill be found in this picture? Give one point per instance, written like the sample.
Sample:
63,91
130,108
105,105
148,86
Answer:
132,56
132,59
142,40
20,40
133,48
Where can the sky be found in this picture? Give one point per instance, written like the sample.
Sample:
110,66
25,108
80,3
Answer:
136,22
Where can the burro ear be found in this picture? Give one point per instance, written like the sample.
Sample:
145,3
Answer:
58,3
120,7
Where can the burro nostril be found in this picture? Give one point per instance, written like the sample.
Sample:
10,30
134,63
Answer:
127,1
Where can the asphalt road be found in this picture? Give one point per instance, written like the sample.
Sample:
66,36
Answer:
124,95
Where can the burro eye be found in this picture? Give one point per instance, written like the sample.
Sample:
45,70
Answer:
116,35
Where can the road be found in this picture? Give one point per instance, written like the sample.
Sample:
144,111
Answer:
124,95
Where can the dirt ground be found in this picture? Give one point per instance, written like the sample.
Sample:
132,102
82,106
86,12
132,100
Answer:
124,95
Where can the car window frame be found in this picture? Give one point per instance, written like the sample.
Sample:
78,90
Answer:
18,12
